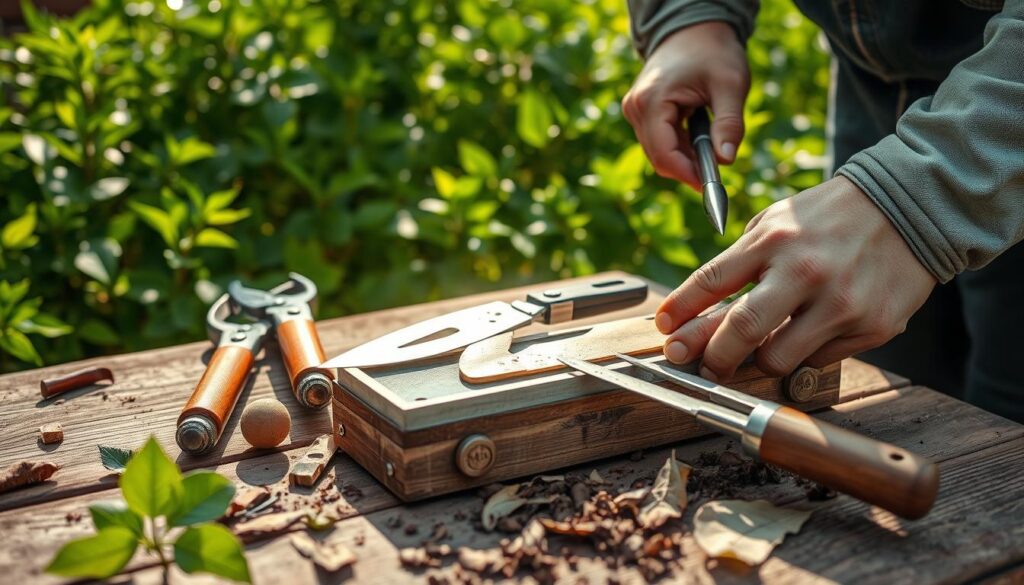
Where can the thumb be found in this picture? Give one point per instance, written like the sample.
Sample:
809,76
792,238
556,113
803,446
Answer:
727,125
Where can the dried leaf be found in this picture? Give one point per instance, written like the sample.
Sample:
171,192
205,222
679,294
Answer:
114,458
331,557
595,477
504,502
634,497
667,499
747,531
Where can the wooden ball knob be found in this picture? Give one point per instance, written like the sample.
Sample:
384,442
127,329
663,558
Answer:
265,423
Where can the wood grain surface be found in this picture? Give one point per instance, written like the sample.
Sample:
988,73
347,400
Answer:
973,533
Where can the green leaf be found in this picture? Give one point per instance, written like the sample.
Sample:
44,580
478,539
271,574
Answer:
17,344
98,258
533,118
151,482
17,234
211,548
99,556
108,188
98,332
444,182
227,216
9,141
508,31
115,458
219,200
115,514
475,160
189,150
159,220
214,238
205,497
44,324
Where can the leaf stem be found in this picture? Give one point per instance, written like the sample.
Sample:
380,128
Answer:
158,546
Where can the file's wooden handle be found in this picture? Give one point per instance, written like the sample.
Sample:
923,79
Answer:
878,473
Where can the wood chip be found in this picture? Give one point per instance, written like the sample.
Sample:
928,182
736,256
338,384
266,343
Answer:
306,471
331,557
51,433
268,525
26,473
246,499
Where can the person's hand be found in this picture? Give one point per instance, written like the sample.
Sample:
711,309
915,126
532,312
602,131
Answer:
702,64
834,278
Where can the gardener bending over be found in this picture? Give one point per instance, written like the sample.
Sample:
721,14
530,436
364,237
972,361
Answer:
928,138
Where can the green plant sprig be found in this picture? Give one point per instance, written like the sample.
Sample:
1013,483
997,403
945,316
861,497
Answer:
168,515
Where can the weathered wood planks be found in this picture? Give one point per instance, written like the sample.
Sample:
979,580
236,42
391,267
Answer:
35,532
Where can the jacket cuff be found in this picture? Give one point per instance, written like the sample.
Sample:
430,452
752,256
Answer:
651,21
922,235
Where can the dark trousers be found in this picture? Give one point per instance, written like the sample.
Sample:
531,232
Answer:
966,340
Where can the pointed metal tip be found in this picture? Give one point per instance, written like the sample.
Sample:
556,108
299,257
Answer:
716,205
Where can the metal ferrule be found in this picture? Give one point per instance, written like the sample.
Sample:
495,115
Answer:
313,390
753,430
722,419
706,160
196,434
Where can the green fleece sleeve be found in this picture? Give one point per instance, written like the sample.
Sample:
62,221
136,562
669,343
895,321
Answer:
951,179
653,20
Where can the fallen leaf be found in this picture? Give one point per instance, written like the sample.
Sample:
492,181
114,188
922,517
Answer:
114,458
634,497
667,498
742,530
596,477
504,502
331,557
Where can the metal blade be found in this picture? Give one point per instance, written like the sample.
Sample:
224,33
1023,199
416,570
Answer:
733,399
433,337
653,391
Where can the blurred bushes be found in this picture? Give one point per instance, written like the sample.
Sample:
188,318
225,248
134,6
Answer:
395,152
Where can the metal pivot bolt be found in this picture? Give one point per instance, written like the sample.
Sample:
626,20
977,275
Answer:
475,455
314,390
802,384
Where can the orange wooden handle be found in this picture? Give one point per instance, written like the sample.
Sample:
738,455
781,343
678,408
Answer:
74,380
221,385
878,473
300,347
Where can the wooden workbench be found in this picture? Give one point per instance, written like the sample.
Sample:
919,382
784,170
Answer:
975,531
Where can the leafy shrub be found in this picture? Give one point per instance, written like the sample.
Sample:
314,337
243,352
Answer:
394,152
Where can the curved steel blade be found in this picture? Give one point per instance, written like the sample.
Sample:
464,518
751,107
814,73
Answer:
433,337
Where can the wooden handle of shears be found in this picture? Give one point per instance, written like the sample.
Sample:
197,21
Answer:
300,347
218,390
878,473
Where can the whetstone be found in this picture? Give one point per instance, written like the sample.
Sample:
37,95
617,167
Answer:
306,471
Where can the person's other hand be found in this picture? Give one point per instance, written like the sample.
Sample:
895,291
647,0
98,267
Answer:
834,278
702,64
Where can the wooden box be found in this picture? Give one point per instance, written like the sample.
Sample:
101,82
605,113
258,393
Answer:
422,430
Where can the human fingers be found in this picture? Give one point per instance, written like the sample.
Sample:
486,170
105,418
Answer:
749,321
728,92
687,343
716,279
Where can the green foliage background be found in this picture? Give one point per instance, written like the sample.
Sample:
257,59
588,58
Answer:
395,152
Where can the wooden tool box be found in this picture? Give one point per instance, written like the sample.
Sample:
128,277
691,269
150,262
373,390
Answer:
511,410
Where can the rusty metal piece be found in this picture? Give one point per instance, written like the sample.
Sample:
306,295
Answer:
74,381
475,455
802,384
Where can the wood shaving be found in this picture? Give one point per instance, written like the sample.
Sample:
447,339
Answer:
331,557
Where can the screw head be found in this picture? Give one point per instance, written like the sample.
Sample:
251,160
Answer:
475,455
341,430
389,468
802,384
